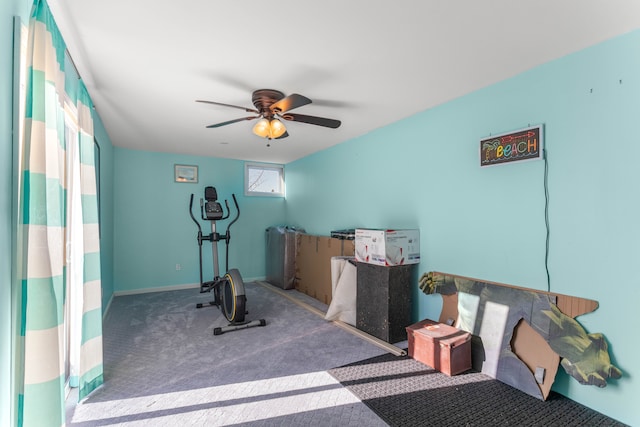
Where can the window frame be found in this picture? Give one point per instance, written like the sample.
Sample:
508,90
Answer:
267,167
72,317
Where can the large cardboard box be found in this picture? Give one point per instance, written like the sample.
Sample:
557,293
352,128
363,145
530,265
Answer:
443,347
387,247
313,263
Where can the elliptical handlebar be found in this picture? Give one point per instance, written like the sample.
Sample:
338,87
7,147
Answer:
235,201
191,213
199,239
226,203
228,234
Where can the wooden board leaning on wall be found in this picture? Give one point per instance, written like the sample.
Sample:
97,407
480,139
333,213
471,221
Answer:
567,304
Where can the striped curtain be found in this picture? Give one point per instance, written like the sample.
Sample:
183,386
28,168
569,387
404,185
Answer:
90,362
42,256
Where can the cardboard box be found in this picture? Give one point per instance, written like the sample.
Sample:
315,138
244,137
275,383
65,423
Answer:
443,347
313,264
387,247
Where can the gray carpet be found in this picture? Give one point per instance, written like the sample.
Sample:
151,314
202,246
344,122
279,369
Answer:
404,392
164,366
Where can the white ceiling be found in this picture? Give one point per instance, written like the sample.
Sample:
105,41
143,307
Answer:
367,63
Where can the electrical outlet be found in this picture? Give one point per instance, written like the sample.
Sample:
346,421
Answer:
178,267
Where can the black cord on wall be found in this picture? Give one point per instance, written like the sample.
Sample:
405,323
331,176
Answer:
546,216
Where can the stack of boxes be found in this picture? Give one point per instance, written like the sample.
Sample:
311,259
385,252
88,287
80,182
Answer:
386,272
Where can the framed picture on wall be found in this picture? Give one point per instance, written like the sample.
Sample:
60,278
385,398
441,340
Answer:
186,173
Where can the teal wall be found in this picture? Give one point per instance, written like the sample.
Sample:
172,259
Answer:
423,172
153,229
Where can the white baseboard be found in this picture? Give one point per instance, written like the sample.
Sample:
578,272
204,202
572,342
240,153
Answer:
157,289
106,310
174,287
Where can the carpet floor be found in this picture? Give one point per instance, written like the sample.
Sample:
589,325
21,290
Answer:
404,392
164,367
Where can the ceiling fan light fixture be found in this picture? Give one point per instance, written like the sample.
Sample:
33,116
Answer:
277,128
269,128
262,128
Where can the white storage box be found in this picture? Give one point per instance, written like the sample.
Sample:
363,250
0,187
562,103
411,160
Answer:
387,247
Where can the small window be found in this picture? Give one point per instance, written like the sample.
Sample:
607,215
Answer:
263,179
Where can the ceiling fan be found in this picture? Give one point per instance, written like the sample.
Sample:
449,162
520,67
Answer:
270,106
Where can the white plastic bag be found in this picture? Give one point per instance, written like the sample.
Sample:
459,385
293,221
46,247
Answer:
344,288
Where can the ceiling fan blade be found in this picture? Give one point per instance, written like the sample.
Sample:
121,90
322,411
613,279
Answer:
217,125
284,135
313,120
289,103
248,110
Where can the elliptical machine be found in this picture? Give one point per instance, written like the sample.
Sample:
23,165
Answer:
228,290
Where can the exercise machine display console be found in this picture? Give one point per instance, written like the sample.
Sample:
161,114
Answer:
212,208
213,211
